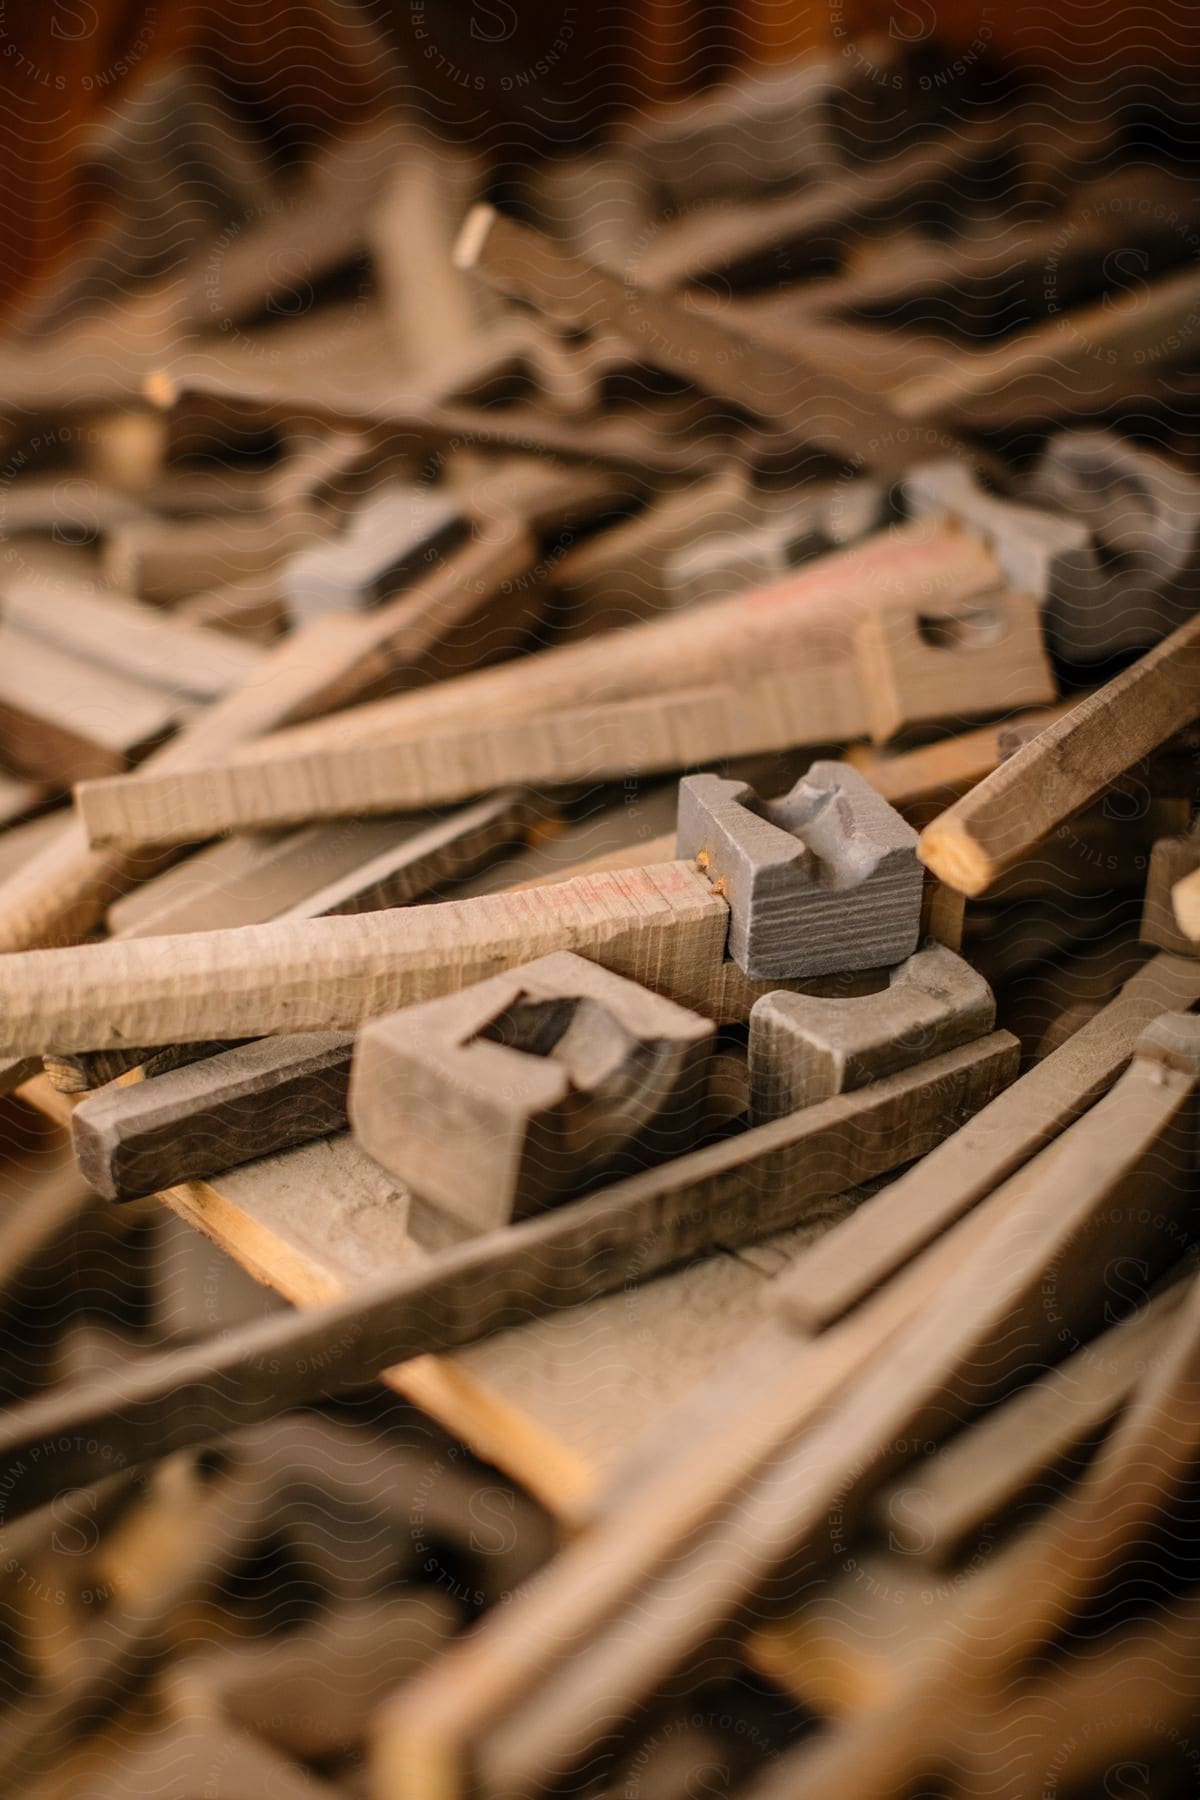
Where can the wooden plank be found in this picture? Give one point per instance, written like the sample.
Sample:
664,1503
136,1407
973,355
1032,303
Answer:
1067,765
746,1188
894,1226
129,638
821,407
1134,1151
211,1115
970,1483
604,742
662,925
63,719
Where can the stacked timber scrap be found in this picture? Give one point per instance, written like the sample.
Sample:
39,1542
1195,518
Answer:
608,807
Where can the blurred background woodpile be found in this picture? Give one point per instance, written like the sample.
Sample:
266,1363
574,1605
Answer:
356,567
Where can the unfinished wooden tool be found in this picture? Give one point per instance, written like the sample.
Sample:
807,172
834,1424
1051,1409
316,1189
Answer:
731,1192
1023,1446
394,536
868,1248
804,1048
1068,764
824,879
823,408
661,924
425,751
213,1114
1132,1160
499,1101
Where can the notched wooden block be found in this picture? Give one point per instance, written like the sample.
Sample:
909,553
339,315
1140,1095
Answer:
804,1049
212,1115
495,1102
823,880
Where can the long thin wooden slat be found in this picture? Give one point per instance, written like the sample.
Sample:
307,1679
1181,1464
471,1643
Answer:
1133,1151
1028,1593
809,705
822,407
732,1192
970,1483
128,637
600,743
865,1249
662,925
1066,766
61,894
811,617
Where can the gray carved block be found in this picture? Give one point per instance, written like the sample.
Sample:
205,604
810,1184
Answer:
497,1101
804,1048
823,880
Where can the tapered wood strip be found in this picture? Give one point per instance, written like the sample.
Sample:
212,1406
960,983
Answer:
777,1386
605,742
1135,1151
808,619
63,719
970,1482
213,1114
1185,898
746,1188
1035,1588
870,1245
822,407
662,925
1066,766
132,639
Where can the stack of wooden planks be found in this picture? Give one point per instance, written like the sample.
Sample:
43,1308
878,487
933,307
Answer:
608,807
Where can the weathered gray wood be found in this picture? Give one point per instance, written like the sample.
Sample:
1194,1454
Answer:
804,1048
499,1101
212,1114
970,1482
732,1192
825,879
1135,1153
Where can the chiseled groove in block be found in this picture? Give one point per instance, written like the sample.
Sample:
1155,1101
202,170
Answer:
804,1049
499,1101
823,880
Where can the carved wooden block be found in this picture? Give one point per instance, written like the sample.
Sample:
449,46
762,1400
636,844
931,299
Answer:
211,1115
393,538
498,1101
804,1049
824,879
